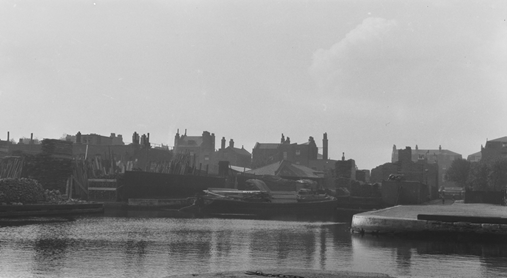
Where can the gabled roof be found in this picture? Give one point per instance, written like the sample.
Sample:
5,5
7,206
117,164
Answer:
271,146
501,139
286,169
270,169
184,141
241,151
477,155
433,152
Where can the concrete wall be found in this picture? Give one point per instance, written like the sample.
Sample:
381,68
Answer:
403,192
485,197
382,172
426,173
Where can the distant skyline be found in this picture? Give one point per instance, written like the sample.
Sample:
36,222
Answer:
372,74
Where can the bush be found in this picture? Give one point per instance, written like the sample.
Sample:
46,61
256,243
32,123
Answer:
26,191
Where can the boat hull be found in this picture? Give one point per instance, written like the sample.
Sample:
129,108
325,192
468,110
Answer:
227,206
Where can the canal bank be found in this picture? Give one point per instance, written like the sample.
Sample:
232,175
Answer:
458,218
287,273
44,210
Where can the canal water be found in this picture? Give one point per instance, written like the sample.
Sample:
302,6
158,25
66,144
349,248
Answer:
148,245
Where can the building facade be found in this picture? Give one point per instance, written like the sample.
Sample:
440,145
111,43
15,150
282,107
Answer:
235,156
443,158
346,169
494,150
475,157
421,170
96,139
267,153
199,148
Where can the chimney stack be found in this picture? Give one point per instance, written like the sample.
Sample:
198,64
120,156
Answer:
231,143
223,143
324,147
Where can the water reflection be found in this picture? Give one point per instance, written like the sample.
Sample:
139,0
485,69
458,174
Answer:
283,245
455,256
190,244
158,247
50,248
222,243
135,251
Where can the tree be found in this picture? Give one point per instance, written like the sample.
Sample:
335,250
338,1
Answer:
478,176
498,175
458,172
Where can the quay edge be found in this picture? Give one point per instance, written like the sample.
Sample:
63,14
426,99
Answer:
403,220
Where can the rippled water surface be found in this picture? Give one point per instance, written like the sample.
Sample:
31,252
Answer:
161,246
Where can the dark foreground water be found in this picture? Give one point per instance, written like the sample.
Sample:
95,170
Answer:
129,246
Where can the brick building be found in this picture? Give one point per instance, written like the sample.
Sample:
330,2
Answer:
494,150
235,156
268,153
421,170
475,157
443,158
346,169
200,148
96,139
109,148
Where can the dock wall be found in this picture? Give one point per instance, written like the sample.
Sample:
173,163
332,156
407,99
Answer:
390,225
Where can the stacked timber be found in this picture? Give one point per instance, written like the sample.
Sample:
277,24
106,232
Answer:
11,167
53,166
51,172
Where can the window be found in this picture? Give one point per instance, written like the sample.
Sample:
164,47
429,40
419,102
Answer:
284,155
298,152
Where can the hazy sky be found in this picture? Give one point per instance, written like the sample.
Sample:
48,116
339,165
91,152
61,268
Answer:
369,73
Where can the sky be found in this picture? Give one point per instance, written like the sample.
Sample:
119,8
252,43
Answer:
370,74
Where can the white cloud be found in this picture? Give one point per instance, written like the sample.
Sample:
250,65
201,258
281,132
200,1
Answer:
369,40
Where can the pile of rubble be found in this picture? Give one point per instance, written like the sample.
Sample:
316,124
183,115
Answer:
28,191
54,197
24,191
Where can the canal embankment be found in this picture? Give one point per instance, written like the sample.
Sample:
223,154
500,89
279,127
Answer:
39,210
23,197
